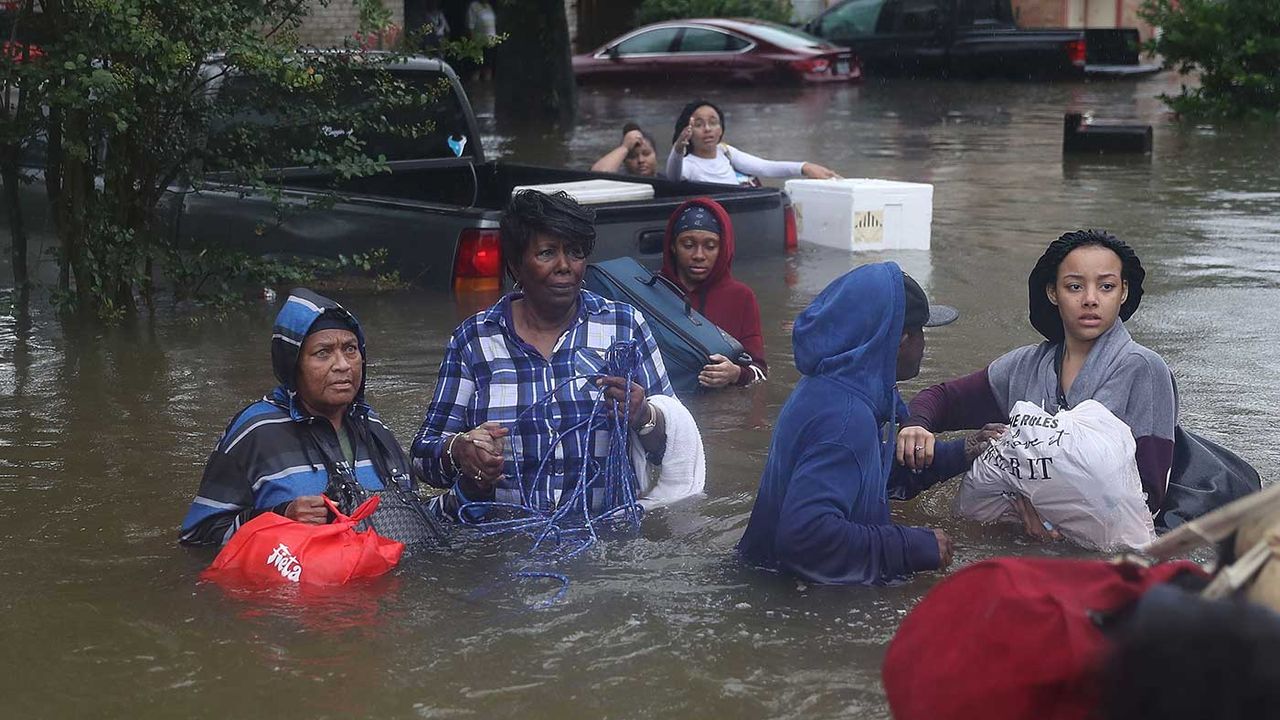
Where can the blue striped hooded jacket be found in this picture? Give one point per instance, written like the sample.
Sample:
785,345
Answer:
274,450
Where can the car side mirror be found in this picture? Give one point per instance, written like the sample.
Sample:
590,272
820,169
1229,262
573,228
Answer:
612,52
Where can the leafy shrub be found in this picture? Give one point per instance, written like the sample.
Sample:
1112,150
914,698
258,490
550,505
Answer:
657,10
1234,46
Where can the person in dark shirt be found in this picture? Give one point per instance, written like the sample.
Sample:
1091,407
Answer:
822,510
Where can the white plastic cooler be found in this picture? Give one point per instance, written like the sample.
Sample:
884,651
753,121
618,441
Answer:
862,213
590,192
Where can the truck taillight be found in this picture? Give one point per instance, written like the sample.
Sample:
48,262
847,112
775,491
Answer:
789,239
1076,52
817,66
478,264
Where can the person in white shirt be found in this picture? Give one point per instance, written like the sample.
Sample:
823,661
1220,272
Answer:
697,153
482,24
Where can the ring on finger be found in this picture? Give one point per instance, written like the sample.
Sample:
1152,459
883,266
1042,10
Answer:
919,448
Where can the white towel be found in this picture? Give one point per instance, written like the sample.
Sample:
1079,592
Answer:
683,472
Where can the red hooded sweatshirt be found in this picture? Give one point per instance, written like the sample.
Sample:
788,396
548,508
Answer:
722,299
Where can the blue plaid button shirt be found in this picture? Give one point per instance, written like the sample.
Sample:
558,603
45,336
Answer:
490,375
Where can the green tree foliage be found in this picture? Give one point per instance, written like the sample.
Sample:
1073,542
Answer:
656,10
139,98
1234,47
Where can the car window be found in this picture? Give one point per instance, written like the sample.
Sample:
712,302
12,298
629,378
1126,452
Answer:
707,40
858,18
446,113
652,41
786,37
910,17
980,12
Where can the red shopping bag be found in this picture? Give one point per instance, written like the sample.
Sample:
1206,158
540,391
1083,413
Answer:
274,550
1012,639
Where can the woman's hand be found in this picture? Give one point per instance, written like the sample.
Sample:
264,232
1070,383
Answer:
1034,525
479,457
977,442
946,548
915,447
308,509
682,143
818,172
632,140
719,372
616,390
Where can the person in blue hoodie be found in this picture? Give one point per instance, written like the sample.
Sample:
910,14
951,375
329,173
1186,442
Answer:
312,433
822,510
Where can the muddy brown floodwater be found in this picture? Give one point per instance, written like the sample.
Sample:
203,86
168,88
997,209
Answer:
104,434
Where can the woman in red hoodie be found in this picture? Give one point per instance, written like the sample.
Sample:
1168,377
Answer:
697,256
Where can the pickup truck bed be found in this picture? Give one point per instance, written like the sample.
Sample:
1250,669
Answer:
420,210
437,213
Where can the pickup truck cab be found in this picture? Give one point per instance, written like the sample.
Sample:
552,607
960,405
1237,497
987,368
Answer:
438,208
972,38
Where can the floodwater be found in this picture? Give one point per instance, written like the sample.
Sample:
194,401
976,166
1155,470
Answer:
105,432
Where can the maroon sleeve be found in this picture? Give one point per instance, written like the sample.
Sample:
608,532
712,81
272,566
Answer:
1155,457
961,404
750,336
747,331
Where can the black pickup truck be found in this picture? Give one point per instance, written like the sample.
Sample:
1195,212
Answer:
436,211
972,38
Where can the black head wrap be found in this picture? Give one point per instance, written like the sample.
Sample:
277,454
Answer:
1043,313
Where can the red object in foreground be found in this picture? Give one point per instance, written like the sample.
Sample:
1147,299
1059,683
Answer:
1012,639
274,550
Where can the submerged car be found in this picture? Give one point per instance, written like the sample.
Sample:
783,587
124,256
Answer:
707,50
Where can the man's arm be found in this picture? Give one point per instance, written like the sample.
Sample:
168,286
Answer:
948,461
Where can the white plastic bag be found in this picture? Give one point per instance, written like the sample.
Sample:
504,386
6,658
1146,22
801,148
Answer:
1077,469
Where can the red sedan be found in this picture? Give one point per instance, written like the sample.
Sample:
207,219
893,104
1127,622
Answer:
747,51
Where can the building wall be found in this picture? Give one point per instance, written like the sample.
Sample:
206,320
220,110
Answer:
1081,13
328,26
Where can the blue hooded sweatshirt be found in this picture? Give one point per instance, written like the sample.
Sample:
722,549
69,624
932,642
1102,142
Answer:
274,450
822,511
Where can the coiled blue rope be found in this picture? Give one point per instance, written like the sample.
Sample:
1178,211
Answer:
565,531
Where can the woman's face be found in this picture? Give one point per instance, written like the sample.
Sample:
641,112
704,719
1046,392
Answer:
642,160
1089,291
551,273
696,252
706,129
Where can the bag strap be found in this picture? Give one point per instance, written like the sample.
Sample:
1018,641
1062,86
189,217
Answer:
655,278
360,513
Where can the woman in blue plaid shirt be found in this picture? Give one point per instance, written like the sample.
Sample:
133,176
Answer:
486,433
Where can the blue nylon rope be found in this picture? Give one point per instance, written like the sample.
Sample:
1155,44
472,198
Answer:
562,533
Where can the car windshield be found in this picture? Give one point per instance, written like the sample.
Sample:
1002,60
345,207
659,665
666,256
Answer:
446,115
786,37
